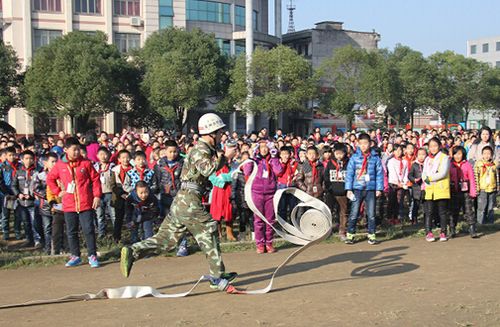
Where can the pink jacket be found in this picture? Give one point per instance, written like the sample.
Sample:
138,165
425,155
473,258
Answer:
460,172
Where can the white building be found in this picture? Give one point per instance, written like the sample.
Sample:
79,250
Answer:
29,24
487,50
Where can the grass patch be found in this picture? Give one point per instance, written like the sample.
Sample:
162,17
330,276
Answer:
13,257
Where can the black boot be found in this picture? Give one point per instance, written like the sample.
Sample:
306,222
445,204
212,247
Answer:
473,232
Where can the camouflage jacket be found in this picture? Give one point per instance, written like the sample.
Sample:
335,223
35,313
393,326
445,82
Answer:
200,163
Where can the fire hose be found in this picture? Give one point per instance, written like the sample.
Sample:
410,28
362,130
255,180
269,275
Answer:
307,230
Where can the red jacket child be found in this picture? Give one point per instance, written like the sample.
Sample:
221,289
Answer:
87,184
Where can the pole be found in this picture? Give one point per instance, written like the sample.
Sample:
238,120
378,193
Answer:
249,51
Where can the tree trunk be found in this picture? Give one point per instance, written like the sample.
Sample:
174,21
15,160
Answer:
466,116
412,118
180,119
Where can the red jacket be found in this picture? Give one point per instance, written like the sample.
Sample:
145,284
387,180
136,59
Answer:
287,173
87,182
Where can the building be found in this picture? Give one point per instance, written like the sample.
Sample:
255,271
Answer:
316,45
486,50
29,24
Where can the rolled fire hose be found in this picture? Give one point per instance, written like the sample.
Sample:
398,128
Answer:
312,227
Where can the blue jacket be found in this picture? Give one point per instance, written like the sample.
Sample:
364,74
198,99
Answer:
373,169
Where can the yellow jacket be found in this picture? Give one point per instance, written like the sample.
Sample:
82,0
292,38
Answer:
437,171
487,178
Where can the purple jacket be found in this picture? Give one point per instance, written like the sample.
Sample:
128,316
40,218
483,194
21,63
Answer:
263,185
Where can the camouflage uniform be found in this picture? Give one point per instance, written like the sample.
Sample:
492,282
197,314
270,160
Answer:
187,212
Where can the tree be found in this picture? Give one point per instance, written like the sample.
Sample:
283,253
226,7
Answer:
414,80
281,81
77,75
9,79
458,84
181,70
355,76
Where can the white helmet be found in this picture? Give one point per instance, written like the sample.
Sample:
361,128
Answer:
210,123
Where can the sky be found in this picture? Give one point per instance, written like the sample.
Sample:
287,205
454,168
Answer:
427,26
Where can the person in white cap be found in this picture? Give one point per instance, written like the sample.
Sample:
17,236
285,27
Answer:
187,212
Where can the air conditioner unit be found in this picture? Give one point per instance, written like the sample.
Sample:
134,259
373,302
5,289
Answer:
136,21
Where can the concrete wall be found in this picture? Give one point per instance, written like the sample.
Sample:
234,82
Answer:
491,57
324,42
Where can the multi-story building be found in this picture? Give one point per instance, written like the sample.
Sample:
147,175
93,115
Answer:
29,24
318,44
487,50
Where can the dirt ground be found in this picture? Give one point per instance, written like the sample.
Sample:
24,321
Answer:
406,282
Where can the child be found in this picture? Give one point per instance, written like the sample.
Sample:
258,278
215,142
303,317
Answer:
22,189
488,184
81,194
436,176
409,157
169,171
364,181
335,173
220,204
104,169
239,202
141,172
310,174
285,180
463,191
143,209
9,203
397,172
120,178
415,177
40,191
263,190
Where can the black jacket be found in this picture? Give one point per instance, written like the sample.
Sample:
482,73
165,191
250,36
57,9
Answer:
414,174
335,177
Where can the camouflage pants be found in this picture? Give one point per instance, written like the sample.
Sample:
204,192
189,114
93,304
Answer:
186,214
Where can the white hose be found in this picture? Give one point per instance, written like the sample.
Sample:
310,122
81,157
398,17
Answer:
312,227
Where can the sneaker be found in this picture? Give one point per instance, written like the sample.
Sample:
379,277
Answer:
73,261
261,249
349,239
224,280
38,245
372,239
183,251
342,237
473,231
270,248
442,237
93,262
430,237
126,261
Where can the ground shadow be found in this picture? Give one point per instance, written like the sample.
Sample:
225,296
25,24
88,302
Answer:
377,267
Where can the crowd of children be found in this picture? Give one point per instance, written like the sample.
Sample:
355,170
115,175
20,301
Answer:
103,185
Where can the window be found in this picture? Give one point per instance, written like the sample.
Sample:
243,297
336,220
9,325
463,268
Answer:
498,46
127,7
239,47
208,11
497,64
47,5
44,37
473,49
126,41
87,7
239,18
166,14
486,48
225,46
